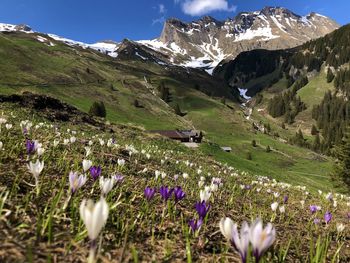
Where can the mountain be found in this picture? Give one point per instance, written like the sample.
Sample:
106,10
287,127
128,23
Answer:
306,88
207,41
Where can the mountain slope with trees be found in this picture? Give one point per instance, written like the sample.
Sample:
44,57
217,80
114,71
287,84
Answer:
287,78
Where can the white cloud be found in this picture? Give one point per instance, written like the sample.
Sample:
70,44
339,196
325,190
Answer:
201,7
162,9
159,20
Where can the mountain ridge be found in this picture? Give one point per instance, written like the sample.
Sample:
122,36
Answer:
205,42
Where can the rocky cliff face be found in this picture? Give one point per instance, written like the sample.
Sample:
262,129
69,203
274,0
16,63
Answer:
204,43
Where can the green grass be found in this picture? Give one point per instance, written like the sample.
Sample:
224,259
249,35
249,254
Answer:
45,220
313,93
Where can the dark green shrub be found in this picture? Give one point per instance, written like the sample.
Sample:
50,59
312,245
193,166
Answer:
98,109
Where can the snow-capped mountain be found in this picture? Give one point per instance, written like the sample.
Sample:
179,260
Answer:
206,42
106,47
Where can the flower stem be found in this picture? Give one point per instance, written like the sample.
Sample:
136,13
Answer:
92,252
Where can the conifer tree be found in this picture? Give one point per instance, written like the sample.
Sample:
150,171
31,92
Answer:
98,109
341,169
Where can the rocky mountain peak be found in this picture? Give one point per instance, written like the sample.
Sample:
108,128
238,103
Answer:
207,41
273,11
176,23
206,20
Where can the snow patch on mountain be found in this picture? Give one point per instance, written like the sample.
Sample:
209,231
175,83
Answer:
263,32
106,48
12,28
243,93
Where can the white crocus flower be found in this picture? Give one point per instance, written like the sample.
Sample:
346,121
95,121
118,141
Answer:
76,181
157,174
204,195
35,169
40,151
56,143
340,227
240,240
87,151
163,175
185,175
2,120
8,126
1,145
121,162
73,139
102,142
106,185
94,216
282,209
274,206
65,141
37,145
86,165
261,239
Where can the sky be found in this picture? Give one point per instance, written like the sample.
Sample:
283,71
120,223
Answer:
91,20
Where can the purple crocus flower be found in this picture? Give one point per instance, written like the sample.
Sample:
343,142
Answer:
166,192
202,209
195,224
179,194
149,193
317,221
285,199
95,172
348,215
30,146
327,217
313,209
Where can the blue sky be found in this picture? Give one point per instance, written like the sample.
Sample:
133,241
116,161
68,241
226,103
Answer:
92,20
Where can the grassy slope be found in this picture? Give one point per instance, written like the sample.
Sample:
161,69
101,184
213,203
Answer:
311,169
39,229
27,61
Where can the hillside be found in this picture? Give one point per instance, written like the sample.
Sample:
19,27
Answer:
305,88
81,76
40,219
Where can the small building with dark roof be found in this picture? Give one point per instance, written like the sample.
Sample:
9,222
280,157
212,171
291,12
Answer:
182,135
